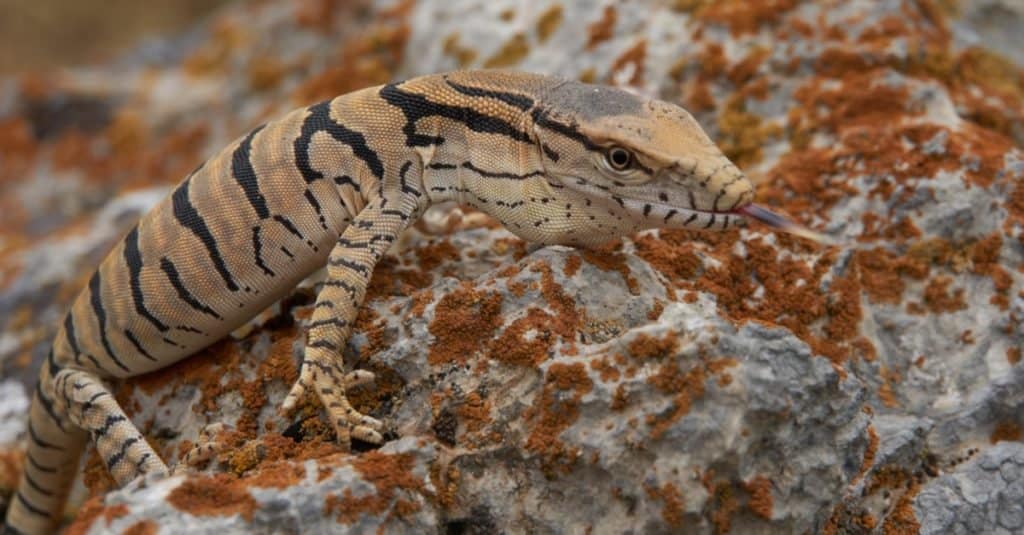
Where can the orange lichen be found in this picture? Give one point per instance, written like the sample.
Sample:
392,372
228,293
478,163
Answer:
392,477
475,411
553,412
511,53
527,341
548,22
938,298
869,454
463,56
644,346
463,321
603,29
1009,431
91,510
760,502
606,259
631,62
902,520
743,17
1013,355
672,511
142,527
216,495
370,58
572,265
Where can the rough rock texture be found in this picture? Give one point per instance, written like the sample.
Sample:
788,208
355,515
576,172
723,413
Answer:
744,381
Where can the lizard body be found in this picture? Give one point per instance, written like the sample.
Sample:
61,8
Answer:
557,162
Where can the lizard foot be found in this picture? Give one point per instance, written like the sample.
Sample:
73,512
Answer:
205,449
331,385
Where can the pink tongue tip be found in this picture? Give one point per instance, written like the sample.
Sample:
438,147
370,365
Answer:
777,221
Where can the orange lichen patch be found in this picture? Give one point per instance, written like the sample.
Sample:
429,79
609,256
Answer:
760,502
743,134
1007,430
265,73
463,320
216,495
142,527
742,73
527,341
619,399
453,49
631,62
643,346
606,371
938,298
95,476
475,412
390,279
369,59
869,454
985,259
553,412
672,511
902,521
603,29
572,265
742,17
91,510
548,22
213,56
420,300
1013,355
18,146
511,53
436,253
723,504
885,390
12,463
672,253
606,259
390,475
881,274
686,386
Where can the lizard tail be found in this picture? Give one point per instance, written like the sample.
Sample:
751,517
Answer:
51,463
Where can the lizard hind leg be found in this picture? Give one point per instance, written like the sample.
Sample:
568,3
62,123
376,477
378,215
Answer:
90,405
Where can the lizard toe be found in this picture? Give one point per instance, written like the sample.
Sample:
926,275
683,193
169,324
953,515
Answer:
367,435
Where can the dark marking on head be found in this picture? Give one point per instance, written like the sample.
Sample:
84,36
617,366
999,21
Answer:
592,101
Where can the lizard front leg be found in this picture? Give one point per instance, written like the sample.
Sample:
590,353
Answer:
349,269
90,405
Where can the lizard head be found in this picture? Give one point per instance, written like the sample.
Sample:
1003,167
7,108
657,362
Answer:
626,163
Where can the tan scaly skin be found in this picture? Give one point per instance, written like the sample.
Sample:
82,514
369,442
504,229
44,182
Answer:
557,162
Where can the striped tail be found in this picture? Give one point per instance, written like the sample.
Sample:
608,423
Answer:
51,464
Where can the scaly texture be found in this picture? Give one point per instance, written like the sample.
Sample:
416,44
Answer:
557,162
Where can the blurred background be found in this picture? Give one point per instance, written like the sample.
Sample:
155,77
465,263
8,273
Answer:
42,34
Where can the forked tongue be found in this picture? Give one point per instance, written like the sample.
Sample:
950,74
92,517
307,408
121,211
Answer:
777,221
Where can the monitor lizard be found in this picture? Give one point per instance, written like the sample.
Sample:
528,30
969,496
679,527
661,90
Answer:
335,183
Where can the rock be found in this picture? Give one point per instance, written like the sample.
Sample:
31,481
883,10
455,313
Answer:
984,495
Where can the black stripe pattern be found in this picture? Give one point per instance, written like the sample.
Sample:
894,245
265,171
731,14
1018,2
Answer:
319,120
189,217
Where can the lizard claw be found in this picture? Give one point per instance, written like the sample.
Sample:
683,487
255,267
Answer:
298,391
206,448
331,387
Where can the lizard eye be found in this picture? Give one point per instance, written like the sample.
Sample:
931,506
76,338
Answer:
618,158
